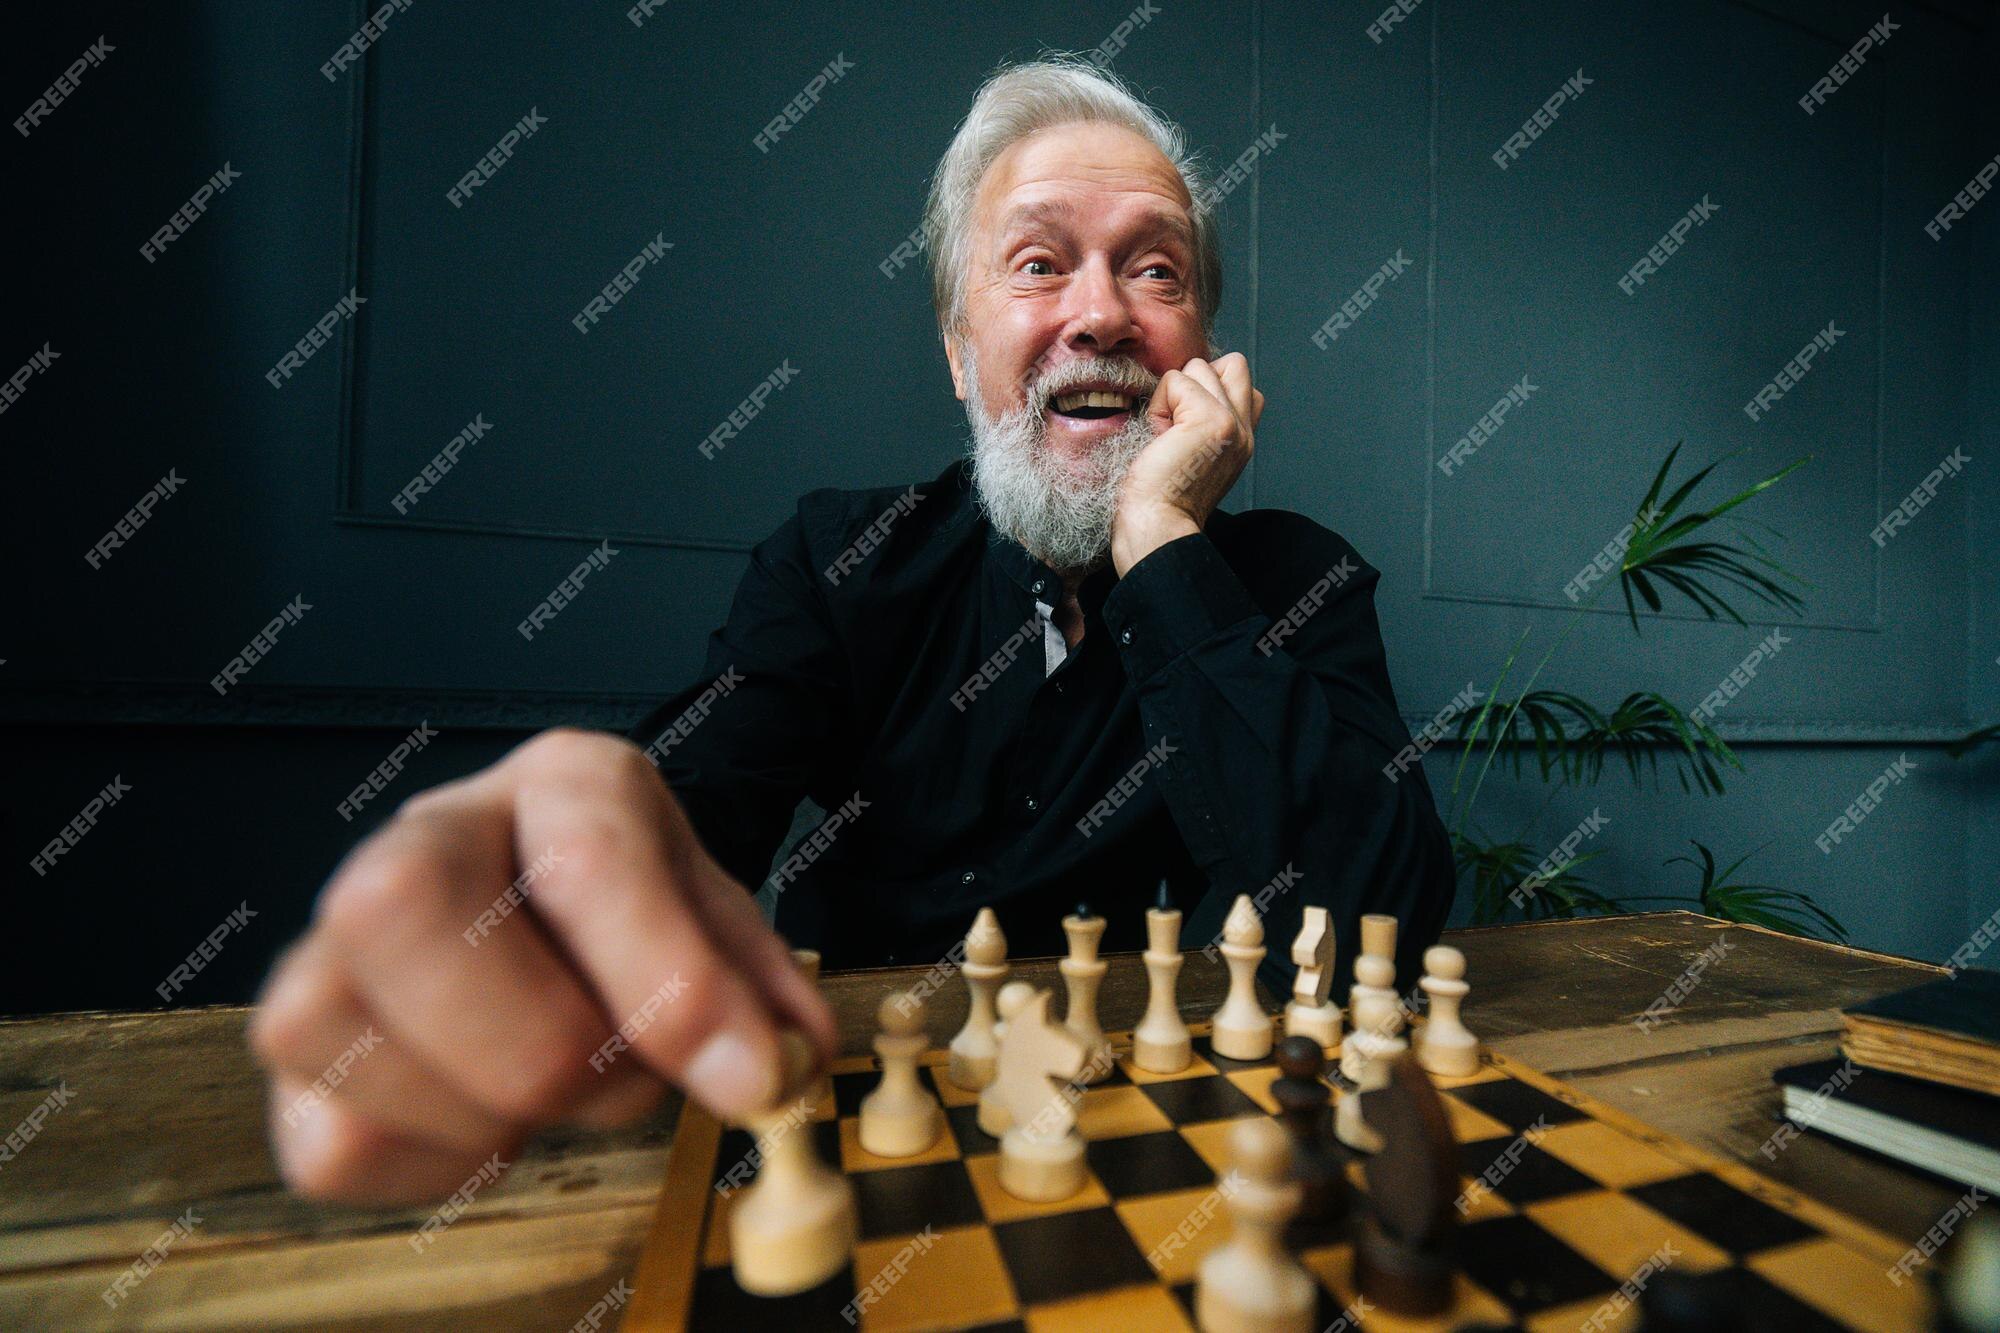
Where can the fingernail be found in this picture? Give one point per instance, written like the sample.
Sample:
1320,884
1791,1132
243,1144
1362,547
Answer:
732,1076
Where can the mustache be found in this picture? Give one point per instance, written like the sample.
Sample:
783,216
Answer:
1121,373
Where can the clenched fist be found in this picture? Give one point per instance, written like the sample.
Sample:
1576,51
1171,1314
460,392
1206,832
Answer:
1206,417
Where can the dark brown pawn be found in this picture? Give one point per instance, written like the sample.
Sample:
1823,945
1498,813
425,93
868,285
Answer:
1318,1164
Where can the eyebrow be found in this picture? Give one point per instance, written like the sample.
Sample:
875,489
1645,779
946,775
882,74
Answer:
1058,211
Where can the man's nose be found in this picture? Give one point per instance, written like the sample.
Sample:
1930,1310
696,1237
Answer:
1099,314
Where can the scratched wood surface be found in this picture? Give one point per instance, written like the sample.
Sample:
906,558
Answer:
166,1115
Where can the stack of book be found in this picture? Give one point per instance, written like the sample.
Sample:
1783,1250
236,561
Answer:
1920,1081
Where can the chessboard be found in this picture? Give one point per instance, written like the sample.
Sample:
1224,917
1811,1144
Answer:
1569,1206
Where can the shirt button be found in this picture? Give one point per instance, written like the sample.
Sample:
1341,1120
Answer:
1125,635
1032,804
1041,586
967,877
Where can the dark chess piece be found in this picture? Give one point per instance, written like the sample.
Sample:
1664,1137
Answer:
1304,1102
1403,1255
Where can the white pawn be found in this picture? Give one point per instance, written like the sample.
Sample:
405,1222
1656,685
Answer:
1374,979
1242,1030
976,1048
900,1118
1250,1283
1082,973
1160,1044
795,1225
1446,1047
1374,1042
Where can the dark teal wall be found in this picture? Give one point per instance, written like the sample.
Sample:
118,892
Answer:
776,259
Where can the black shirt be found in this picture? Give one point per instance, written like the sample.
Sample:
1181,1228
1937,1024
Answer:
1224,724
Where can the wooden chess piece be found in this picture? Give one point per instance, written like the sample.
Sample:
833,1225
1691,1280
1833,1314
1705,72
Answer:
1374,978
1446,1046
821,1093
1041,1154
1242,1030
1250,1283
975,1050
795,1225
1311,1013
1374,1044
1082,973
901,1117
1303,1103
1378,936
992,1116
1160,1044
1403,1252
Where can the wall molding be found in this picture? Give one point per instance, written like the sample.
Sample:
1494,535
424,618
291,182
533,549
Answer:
347,508
169,703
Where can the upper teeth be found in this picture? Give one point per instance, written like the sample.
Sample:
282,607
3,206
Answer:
1069,402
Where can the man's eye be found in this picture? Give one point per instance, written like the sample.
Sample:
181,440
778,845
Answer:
1163,271
1040,268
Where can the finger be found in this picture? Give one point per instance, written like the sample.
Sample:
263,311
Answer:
311,1024
510,1023
1180,397
1234,372
1207,377
330,1152
737,925
620,904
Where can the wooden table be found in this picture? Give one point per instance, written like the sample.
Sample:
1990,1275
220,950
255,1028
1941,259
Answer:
166,1114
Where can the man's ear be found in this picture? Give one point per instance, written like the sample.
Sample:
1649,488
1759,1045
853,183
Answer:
957,366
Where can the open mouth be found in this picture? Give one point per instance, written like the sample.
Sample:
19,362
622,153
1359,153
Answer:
1091,404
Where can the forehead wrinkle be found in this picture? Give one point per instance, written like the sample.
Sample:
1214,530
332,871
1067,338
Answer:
1053,211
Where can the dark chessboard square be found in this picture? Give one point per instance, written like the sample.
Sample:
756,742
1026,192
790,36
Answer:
720,1303
1204,1048
1189,1101
1731,1299
1519,1172
1070,1254
849,1089
903,1200
1517,1105
1147,1164
1004,1326
733,1151
1527,1267
972,1140
1721,1214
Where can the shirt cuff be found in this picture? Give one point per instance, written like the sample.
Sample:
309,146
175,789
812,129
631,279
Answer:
1181,594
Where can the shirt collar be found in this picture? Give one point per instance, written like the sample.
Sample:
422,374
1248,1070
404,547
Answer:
1039,581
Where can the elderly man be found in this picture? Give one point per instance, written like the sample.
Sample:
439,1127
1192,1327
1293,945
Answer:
1055,674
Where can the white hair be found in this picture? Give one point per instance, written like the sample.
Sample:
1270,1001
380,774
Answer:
1019,100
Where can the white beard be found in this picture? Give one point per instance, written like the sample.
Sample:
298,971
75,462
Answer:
1061,515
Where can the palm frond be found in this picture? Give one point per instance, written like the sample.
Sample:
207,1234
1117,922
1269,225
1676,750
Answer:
1784,910
1508,874
1571,739
1660,558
